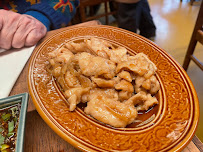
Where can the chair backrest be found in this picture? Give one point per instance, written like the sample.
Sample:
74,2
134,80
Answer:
90,3
197,36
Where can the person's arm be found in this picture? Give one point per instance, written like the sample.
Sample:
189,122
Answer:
19,30
54,14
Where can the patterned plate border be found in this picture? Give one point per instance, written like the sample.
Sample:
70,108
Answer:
178,119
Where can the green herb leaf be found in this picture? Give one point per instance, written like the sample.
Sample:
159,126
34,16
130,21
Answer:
1,129
15,119
1,139
4,146
14,110
10,126
10,134
5,150
6,117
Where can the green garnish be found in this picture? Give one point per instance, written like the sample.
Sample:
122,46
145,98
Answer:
6,117
1,139
10,126
10,134
5,150
14,111
15,119
4,146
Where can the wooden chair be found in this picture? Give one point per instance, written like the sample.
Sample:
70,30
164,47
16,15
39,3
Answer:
197,36
90,3
191,1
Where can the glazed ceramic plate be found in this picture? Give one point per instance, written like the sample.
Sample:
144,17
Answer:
176,117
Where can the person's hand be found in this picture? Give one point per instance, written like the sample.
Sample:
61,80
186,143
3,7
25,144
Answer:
18,30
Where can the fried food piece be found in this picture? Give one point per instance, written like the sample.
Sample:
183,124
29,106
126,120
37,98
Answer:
138,84
110,111
118,54
125,86
137,98
106,50
148,102
77,47
100,47
71,80
155,86
61,55
139,64
61,81
124,95
74,96
56,71
96,66
86,82
125,75
94,92
109,93
152,84
103,83
143,101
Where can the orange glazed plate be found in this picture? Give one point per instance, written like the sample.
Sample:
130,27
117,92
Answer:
176,115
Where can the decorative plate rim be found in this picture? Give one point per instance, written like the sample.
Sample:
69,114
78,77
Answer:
63,133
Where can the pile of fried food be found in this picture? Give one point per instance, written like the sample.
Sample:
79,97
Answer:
115,85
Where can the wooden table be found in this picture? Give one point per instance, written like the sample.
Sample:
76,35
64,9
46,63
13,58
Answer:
39,137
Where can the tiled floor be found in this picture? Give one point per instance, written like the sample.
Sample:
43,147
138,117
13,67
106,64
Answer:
175,22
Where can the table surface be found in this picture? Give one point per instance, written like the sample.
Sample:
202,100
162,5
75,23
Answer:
39,137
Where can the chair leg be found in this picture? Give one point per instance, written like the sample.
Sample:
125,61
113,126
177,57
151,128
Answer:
191,2
193,40
190,51
82,13
106,11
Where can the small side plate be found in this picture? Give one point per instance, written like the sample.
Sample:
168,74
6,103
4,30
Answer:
23,100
